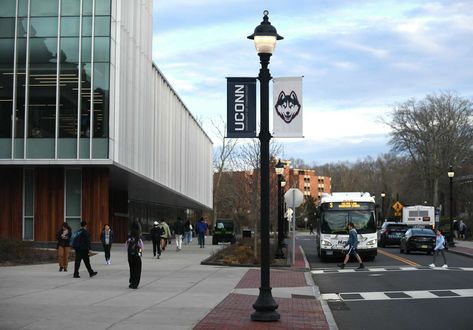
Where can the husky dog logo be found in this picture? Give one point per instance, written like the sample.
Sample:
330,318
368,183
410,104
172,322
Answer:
287,106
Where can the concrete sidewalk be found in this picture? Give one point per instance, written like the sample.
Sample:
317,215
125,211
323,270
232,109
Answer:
176,292
464,248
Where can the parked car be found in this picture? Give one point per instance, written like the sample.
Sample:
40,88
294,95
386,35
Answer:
391,233
418,239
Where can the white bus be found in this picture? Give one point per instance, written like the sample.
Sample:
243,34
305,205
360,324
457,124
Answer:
334,213
419,216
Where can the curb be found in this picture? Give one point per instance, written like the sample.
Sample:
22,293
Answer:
310,281
465,254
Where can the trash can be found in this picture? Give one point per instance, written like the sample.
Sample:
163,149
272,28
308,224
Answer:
246,233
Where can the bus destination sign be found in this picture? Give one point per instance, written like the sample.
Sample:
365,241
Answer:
345,205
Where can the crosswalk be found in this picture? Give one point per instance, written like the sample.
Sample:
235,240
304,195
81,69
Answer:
397,295
386,269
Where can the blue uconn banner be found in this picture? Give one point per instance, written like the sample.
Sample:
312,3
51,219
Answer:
241,107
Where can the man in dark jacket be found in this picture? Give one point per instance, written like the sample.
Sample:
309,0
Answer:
81,245
352,246
155,234
178,233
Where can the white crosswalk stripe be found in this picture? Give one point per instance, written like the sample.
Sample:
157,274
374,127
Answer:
384,269
398,295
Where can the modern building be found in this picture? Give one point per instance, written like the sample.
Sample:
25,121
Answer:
89,127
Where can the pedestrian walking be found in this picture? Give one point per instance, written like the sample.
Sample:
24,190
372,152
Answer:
81,246
63,240
156,232
439,248
352,245
311,229
188,232
166,236
201,229
455,229
134,247
178,233
106,237
462,229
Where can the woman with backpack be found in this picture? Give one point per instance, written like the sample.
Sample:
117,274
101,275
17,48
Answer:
134,246
439,248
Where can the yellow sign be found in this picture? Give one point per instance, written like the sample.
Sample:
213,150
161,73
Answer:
397,207
397,213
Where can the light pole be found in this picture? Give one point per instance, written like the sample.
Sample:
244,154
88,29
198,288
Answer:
265,37
280,172
383,194
451,174
283,222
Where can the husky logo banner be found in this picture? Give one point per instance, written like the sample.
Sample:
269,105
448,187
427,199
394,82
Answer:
241,107
287,114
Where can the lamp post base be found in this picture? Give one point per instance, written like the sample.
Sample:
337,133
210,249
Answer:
265,307
279,254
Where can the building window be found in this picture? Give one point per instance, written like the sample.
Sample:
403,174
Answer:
73,197
28,204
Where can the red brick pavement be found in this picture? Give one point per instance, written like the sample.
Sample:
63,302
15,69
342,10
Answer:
234,312
278,279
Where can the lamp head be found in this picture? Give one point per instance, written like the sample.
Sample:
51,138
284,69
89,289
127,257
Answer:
265,36
279,167
450,172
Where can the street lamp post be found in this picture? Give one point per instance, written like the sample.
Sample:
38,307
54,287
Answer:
265,37
383,194
280,171
451,174
283,222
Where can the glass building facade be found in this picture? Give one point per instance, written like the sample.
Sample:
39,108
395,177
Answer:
54,79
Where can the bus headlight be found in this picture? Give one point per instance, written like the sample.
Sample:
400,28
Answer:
325,243
371,242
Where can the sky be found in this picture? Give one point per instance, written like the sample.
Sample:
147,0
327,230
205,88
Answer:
358,58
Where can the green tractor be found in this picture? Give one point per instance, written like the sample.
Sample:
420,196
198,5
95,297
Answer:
224,231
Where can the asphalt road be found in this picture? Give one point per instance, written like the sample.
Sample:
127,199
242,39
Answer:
396,291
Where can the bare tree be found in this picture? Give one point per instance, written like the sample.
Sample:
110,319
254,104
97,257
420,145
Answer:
434,133
223,155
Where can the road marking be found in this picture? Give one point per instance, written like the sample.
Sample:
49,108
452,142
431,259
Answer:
398,295
384,269
398,258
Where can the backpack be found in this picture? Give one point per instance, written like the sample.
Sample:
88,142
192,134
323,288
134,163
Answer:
75,241
133,247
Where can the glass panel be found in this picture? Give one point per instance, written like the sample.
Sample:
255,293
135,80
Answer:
42,88
87,7
22,27
73,192
28,230
19,148
20,97
23,8
5,148
68,89
44,8
29,193
6,91
43,27
102,49
86,49
101,99
85,101
74,223
7,27
86,26
8,8
70,26
99,148
84,147
67,148
102,26
102,7
70,7
40,148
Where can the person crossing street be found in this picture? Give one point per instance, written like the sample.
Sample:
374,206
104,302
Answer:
352,244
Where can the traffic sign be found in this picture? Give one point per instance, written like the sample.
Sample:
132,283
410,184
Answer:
294,197
397,206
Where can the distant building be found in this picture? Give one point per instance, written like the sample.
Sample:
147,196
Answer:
89,127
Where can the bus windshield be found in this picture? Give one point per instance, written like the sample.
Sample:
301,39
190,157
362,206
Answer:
335,222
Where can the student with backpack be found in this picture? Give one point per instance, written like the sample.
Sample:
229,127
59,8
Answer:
81,245
134,246
156,232
439,248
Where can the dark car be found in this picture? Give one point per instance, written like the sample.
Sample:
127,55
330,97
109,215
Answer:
224,231
391,233
418,239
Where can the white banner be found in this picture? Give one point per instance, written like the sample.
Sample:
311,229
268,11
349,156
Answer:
287,107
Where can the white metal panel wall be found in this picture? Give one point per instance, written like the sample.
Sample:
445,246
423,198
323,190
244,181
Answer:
151,131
